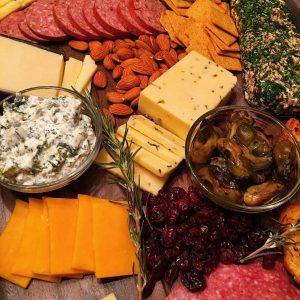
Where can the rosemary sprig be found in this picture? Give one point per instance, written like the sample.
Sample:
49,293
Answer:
120,151
276,240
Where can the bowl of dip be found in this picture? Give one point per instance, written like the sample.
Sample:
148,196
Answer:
49,136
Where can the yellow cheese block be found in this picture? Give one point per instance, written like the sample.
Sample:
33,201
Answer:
9,8
62,226
72,70
24,66
149,145
114,251
149,182
27,249
10,240
158,134
186,91
83,255
3,2
89,68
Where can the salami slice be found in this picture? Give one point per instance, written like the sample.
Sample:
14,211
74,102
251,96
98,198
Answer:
106,14
10,26
89,16
60,12
129,21
147,13
39,17
76,16
29,33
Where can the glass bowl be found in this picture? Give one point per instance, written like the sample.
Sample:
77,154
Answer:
271,127
89,109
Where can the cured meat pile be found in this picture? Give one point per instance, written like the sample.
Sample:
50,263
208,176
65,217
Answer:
242,283
57,20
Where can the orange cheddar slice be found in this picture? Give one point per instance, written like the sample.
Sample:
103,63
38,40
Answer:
83,256
27,250
114,251
10,240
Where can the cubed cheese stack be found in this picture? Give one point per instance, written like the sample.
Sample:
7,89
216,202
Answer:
189,89
160,152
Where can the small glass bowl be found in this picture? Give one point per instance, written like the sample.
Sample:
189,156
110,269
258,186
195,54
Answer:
271,126
89,109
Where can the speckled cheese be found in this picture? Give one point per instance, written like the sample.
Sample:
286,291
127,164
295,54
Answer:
186,91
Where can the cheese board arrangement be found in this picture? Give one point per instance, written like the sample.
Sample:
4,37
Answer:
151,144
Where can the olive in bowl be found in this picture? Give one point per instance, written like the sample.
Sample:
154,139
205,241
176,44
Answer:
237,160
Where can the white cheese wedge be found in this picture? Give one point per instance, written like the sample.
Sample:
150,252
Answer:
89,68
148,181
158,134
110,297
3,2
9,8
72,70
151,162
186,91
149,145
23,66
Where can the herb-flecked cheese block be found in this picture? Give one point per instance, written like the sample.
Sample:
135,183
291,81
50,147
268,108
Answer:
186,91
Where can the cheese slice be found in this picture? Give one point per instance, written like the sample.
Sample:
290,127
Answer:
26,252
149,145
148,181
83,254
9,8
3,2
158,134
24,66
10,240
186,91
72,70
89,68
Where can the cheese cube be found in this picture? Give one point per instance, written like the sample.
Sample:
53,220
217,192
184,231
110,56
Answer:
186,91
24,66
158,134
148,181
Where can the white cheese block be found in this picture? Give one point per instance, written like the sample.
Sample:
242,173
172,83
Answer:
3,2
9,8
23,66
148,181
151,162
149,145
89,68
72,70
158,134
110,297
186,91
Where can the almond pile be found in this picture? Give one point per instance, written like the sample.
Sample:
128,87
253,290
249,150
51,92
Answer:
134,64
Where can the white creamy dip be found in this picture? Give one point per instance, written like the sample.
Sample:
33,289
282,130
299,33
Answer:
43,139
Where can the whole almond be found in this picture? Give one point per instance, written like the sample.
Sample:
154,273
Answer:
141,44
108,116
145,39
164,67
135,102
125,53
128,82
163,42
182,55
174,55
154,76
132,94
116,58
127,71
153,44
94,44
100,79
79,45
99,52
115,97
120,109
109,45
121,43
129,42
141,67
173,44
144,81
117,72
149,61
129,62
121,91
169,60
142,51
108,63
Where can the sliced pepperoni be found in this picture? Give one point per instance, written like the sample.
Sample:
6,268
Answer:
129,21
106,14
29,33
89,16
60,12
147,13
76,16
10,26
39,17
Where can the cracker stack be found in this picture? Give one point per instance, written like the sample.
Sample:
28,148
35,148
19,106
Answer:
205,26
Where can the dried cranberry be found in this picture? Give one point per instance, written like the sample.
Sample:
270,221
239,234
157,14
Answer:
171,274
215,236
194,198
172,216
155,214
193,280
199,264
171,253
176,193
152,255
169,234
269,261
228,256
199,245
183,205
208,212
187,240
184,260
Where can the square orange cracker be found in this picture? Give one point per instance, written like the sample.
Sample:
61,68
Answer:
226,62
226,7
181,3
224,22
226,53
235,47
178,11
227,38
201,8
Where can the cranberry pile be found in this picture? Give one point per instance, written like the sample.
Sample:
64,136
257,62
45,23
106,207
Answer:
188,236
